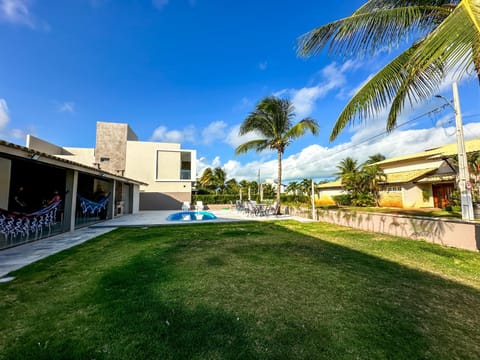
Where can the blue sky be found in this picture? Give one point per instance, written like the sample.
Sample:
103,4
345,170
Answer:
190,71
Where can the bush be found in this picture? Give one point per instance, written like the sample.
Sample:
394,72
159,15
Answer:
215,199
364,200
344,199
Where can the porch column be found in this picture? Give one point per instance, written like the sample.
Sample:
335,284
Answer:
70,205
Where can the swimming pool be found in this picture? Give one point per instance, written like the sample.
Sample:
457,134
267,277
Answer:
191,216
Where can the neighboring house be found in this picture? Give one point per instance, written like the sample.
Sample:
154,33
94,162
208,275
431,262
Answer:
327,191
425,179
167,170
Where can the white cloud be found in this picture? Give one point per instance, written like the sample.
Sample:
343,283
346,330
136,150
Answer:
5,132
234,139
160,4
67,106
263,65
162,133
18,12
214,131
318,162
304,99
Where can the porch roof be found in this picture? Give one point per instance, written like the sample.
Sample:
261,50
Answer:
407,176
330,185
435,153
19,151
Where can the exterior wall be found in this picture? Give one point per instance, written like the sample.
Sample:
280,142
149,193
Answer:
40,145
168,165
84,156
163,200
5,171
325,197
158,165
412,196
463,235
111,146
391,199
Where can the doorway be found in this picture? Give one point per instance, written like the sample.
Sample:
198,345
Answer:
442,194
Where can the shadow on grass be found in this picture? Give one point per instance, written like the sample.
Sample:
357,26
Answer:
278,295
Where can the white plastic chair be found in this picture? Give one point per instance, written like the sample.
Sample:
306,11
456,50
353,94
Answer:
186,206
199,206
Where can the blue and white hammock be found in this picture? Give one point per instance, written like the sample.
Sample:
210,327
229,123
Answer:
13,223
93,207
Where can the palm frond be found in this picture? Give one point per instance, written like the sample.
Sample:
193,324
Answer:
455,41
367,32
397,82
257,145
299,129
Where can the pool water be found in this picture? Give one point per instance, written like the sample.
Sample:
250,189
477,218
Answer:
191,216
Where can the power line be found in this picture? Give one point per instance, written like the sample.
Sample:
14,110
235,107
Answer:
387,132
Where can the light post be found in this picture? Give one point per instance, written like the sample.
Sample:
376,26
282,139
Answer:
463,175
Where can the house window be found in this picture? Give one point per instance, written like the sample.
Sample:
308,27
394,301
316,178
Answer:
392,188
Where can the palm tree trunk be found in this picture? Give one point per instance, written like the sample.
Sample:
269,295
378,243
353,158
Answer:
279,183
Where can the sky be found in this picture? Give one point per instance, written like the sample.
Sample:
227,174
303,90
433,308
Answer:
191,71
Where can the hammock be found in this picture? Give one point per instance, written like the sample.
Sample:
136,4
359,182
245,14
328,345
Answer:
13,224
93,207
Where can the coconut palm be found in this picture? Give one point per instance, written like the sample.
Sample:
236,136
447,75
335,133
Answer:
372,159
292,188
348,172
442,35
272,119
207,179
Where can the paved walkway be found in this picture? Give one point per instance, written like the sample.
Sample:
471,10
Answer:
22,255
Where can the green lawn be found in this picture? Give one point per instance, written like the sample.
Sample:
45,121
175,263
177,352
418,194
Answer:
283,290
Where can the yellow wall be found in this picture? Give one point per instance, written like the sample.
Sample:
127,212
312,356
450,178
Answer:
391,199
168,165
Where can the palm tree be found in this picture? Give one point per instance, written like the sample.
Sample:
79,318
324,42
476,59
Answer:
292,187
305,186
372,159
444,35
207,179
348,172
273,120
219,178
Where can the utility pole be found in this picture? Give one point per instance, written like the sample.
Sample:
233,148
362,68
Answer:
463,175
464,178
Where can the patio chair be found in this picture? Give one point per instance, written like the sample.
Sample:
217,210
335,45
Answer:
199,206
272,210
186,206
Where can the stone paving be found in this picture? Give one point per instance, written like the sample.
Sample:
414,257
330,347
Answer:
17,257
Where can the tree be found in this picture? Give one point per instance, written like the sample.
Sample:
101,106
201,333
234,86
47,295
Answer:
219,178
372,159
207,179
306,186
348,172
232,187
273,121
443,36
362,182
292,188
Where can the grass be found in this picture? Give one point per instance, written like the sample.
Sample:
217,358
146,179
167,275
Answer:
242,291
